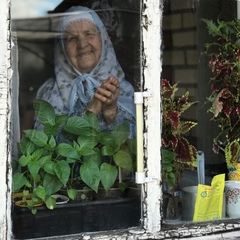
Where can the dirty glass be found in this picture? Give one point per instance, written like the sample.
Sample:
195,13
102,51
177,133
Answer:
65,139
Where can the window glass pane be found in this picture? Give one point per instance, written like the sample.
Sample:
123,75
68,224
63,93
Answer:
78,68
186,64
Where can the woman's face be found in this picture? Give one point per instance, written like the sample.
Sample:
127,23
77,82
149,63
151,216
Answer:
83,45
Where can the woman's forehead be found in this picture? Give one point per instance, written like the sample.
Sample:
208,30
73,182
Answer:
81,26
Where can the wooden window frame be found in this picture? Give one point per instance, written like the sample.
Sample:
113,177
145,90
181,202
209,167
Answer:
151,16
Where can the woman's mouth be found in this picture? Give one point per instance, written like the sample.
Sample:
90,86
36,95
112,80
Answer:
84,54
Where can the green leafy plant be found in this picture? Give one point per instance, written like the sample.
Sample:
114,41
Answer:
48,157
224,54
43,169
114,146
176,150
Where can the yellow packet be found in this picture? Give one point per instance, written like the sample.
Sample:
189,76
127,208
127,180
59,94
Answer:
209,201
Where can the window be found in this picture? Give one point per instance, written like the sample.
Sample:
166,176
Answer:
73,48
151,16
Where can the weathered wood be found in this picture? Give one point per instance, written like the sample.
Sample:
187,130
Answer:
151,63
151,72
5,101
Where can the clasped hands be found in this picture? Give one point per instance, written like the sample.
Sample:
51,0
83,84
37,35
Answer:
105,100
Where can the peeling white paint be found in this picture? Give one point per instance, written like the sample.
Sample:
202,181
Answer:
151,45
5,173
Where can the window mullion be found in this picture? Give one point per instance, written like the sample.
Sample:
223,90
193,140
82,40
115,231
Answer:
151,63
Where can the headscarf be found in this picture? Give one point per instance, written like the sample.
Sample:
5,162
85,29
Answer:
67,94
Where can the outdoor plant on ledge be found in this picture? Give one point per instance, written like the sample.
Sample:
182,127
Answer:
176,150
224,53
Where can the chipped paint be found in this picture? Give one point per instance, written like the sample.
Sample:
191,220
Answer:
5,90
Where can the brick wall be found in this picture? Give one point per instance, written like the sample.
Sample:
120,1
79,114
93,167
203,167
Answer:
180,55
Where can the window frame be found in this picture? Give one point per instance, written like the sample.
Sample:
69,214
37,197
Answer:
5,119
151,16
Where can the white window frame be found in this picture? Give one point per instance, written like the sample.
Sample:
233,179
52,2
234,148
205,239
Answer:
151,72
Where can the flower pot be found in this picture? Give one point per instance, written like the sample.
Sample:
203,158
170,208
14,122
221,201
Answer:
60,199
17,196
132,189
234,172
18,200
172,214
189,195
24,203
232,192
112,193
83,193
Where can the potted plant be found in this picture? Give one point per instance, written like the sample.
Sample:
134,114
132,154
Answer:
177,152
224,53
112,152
69,150
65,150
43,169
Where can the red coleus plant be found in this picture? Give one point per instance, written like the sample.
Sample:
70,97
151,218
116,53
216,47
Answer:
176,149
224,53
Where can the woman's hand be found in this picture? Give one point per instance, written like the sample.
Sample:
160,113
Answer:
107,94
94,106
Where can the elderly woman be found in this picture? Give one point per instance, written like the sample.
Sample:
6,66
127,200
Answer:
88,76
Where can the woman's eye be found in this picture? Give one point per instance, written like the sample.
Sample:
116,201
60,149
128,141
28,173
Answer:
89,34
71,39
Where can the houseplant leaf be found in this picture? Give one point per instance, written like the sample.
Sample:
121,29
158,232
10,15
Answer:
92,119
131,143
51,184
124,160
19,180
75,125
89,142
67,150
72,193
26,146
40,192
108,140
50,129
33,167
44,111
61,119
121,132
96,158
23,160
37,137
49,167
50,203
86,151
62,170
107,151
89,172
108,175
44,159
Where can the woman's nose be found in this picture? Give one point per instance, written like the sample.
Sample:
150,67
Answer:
82,42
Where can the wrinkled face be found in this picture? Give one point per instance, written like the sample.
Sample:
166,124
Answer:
83,45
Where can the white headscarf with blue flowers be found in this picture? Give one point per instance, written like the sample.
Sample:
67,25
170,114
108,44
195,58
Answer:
66,93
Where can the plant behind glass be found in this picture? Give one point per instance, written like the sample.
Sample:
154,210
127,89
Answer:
224,53
48,158
176,150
